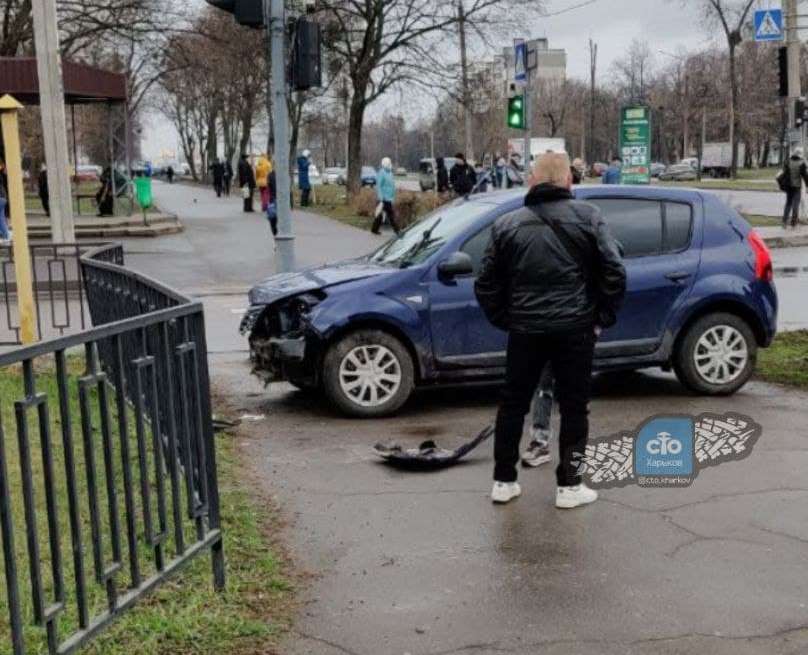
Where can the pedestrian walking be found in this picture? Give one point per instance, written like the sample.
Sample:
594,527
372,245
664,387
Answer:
552,277
386,192
790,179
303,182
228,177
499,172
263,168
272,207
614,173
246,182
5,233
42,188
217,170
103,197
462,176
513,175
170,174
442,175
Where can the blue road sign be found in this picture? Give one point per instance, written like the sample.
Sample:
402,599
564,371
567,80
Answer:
769,25
520,61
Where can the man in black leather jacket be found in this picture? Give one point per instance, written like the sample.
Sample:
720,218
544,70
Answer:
552,276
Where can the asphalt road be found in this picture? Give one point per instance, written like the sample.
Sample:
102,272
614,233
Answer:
424,564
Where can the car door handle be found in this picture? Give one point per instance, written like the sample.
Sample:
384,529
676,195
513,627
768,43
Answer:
678,276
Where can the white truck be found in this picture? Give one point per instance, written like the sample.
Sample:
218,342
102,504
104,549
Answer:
716,160
538,146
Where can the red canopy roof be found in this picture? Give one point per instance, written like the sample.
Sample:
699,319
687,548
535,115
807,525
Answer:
83,84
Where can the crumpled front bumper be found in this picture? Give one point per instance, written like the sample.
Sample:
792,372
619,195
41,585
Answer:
279,358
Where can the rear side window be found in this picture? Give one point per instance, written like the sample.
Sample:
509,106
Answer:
636,224
475,247
678,226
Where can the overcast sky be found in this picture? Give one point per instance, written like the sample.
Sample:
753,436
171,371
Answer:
667,25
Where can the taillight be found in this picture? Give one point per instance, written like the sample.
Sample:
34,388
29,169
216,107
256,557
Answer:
763,258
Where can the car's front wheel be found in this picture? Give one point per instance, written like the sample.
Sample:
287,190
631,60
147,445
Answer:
368,373
717,355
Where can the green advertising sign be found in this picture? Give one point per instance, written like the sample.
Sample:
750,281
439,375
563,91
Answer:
635,145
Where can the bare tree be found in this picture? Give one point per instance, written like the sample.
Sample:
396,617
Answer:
731,16
382,43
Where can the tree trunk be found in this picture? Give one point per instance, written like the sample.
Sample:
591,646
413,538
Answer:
733,109
212,144
356,117
246,130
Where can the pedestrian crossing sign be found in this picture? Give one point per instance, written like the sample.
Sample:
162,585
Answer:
769,25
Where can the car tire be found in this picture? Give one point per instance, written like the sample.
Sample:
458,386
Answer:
379,390
717,355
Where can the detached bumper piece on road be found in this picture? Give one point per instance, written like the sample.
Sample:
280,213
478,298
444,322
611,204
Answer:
428,456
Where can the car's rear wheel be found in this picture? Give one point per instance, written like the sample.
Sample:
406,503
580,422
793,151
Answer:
717,355
368,373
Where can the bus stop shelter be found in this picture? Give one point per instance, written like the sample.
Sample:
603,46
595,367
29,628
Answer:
84,85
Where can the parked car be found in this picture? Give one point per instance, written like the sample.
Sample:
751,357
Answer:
716,160
401,171
657,168
679,173
368,176
88,173
700,300
334,175
426,171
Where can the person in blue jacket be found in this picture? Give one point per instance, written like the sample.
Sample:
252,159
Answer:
386,192
613,174
303,182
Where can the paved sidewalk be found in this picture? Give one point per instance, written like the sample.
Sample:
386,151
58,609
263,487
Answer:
224,250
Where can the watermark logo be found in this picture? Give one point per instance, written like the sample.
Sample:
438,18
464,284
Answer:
665,446
668,451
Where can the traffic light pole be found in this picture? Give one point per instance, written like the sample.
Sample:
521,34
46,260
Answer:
276,25
793,55
528,117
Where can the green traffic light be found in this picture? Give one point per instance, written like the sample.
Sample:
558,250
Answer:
516,112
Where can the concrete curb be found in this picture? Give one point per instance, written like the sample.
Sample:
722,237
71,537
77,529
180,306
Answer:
791,241
112,227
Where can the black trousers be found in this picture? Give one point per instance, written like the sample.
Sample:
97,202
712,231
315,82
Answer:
305,194
792,207
570,354
248,201
389,211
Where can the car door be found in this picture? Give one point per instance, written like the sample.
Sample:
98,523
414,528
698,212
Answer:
462,337
661,257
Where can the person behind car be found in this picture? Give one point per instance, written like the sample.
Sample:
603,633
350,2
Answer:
303,182
552,277
386,193
442,175
246,181
577,170
614,173
794,173
462,176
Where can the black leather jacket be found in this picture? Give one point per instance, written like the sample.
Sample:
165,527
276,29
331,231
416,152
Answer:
531,283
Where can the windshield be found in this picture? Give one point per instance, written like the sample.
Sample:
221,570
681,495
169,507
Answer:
368,171
421,240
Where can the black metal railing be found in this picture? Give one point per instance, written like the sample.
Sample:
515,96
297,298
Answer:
61,307
127,493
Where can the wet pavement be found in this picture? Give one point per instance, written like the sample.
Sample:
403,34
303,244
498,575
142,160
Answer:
425,564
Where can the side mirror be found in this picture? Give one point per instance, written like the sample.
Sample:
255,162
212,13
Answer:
459,263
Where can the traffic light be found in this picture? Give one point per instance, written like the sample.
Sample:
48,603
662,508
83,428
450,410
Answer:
782,60
516,112
306,61
246,12
800,116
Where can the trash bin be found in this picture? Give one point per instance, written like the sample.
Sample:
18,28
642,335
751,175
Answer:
143,190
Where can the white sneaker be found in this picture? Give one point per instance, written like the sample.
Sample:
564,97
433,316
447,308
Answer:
504,492
537,453
569,497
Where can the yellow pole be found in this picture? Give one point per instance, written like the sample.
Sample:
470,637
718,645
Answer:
9,108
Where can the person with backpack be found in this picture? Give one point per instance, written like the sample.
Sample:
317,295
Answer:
552,277
790,180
